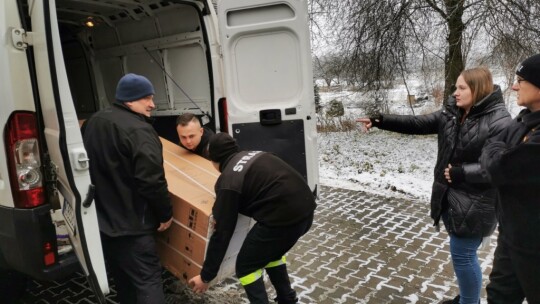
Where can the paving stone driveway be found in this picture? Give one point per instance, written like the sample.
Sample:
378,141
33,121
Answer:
362,248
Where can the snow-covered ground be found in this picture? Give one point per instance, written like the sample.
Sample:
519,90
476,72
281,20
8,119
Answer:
379,161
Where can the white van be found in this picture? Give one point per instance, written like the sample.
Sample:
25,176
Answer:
245,69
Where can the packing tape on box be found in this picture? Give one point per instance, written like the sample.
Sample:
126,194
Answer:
191,163
191,179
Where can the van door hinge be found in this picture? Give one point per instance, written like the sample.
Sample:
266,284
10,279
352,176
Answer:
21,39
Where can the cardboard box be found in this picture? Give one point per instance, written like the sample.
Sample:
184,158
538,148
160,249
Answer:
191,181
184,268
182,248
193,246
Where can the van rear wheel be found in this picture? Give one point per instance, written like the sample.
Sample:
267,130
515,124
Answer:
13,285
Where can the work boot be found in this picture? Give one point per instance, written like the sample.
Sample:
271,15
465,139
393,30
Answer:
280,279
453,301
256,292
277,301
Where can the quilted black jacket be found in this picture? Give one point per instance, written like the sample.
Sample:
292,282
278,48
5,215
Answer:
470,205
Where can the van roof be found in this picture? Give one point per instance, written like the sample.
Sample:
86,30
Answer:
110,12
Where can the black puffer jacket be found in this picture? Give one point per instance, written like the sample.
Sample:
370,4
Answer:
471,203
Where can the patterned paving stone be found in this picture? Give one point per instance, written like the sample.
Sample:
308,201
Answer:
362,248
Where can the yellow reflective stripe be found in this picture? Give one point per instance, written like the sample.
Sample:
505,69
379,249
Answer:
250,278
276,263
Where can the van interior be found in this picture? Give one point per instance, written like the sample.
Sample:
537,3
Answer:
166,41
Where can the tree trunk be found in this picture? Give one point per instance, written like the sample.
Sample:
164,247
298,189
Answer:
454,62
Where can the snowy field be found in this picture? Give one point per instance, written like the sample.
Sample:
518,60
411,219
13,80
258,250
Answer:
379,161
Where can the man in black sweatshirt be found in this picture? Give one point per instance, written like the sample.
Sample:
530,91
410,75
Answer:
262,186
192,135
512,162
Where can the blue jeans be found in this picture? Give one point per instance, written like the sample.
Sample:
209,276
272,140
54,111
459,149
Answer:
466,267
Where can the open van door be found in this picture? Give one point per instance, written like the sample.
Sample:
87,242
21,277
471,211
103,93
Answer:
65,145
269,80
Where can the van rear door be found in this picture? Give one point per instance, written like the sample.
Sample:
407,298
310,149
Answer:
65,145
268,79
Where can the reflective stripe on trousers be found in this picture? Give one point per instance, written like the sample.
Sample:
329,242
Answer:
257,274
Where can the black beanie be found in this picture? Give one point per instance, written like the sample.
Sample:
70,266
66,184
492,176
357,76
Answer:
133,87
221,146
530,70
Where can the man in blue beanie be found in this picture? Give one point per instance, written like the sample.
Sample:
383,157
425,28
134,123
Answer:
132,200
512,162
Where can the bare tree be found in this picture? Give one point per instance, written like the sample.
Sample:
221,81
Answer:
386,39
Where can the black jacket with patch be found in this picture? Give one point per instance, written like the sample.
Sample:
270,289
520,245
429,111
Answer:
513,164
126,166
470,205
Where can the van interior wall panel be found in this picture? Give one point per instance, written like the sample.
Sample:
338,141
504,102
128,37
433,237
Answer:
254,15
272,53
286,140
278,78
80,79
196,85
169,20
102,37
137,30
167,47
110,70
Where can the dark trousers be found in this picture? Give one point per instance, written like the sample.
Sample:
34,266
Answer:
135,268
264,248
514,277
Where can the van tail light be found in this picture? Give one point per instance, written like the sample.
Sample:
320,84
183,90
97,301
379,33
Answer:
48,254
223,115
24,159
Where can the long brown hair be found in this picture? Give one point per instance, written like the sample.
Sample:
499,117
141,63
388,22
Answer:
480,82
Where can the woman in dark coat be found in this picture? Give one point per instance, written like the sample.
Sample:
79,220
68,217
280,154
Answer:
461,195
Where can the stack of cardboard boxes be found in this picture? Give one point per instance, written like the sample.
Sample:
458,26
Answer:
182,248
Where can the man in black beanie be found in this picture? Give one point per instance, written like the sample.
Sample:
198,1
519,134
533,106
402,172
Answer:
262,186
512,162
132,200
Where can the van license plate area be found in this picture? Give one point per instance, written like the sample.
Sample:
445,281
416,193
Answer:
69,216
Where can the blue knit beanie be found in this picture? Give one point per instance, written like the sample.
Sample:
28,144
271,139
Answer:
529,69
133,87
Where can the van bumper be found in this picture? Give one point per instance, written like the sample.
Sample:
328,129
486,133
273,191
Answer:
23,233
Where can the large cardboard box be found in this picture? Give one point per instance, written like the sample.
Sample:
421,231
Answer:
182,248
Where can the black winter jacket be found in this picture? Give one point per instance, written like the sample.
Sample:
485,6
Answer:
259,185
470,205
513,164
126,166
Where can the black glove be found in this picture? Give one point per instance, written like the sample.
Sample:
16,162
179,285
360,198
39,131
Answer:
376,121
457,175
